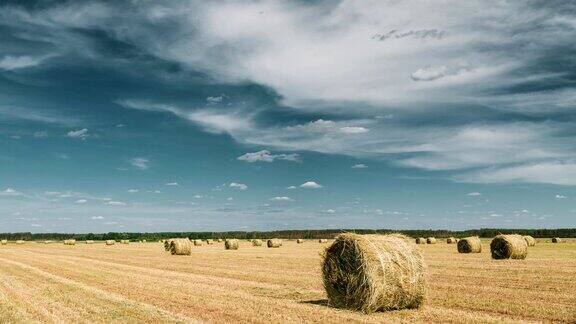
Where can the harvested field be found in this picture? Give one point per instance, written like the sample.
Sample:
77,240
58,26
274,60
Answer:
143,283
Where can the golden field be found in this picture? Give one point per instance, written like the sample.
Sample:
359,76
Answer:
139,282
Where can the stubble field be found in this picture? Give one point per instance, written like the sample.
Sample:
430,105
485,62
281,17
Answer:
140,282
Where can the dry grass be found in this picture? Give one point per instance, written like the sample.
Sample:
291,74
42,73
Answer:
139,283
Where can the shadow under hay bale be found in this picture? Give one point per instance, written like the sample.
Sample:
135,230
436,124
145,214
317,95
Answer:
511,246
530,240
231,244
431,240
374,272
274,243
470,244
556,240
420,240
256,242
181,247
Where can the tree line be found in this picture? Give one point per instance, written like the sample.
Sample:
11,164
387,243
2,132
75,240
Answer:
288,234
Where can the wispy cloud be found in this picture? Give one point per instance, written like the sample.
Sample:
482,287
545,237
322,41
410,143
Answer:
140,163
81,134
266,156
239,186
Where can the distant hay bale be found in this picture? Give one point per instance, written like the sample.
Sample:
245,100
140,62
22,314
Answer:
300,241
219,240
198,242
143,241
274,243
110,242
20,242
530,240
450,240
556,240
470,244
256,242
124,241
209,241
180,246
322,241
231,244
431,240
4,242
511,246
69,242
420,240
48,242
374,272
89,242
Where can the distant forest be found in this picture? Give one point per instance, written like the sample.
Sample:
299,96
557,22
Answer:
289,234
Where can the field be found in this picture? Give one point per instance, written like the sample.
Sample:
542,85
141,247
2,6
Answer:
140,282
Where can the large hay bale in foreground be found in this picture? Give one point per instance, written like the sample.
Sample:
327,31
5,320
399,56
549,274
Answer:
322,241
450,240
530,240
110,242
256,242
470,244
511,246
89,242
198,242
431,240
299,241
181,247
420,240
231,244
4,242
374,272
20,242
556,240
274,243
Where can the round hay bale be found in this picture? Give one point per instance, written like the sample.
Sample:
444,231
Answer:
20,242
530,240
89,242
124,241
144,241
181,246
374,272
219,240
68,242
450,240
470,244
231,244
256,242
299,241
209,242
274,243
4,242
431,240
198,242
556,240
322,241
508,247
420,240
49,241
110,242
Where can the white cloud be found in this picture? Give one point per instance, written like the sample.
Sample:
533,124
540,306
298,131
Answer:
81,201
266,156
545,172
116,203
11,63
214,100
436,72
140,163
133,190
40,134
230,199
329,211
311,185
359,166
9,192
353,130
239,186
198,196
474,194
79,134
281,199
291,187
97,217
560,197
172,184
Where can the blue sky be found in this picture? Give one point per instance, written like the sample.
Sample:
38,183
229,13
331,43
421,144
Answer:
249,115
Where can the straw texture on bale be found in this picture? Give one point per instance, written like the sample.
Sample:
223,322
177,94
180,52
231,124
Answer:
4,242
67,242
530,240
420,240
556,240
322,241
511,246
470,244
181,246
256,242
300,241
431,240
274,243
89,242
198,242
167,244
19,242
374,272
450,240
110,242
231,244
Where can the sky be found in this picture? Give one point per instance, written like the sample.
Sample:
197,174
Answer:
259,115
